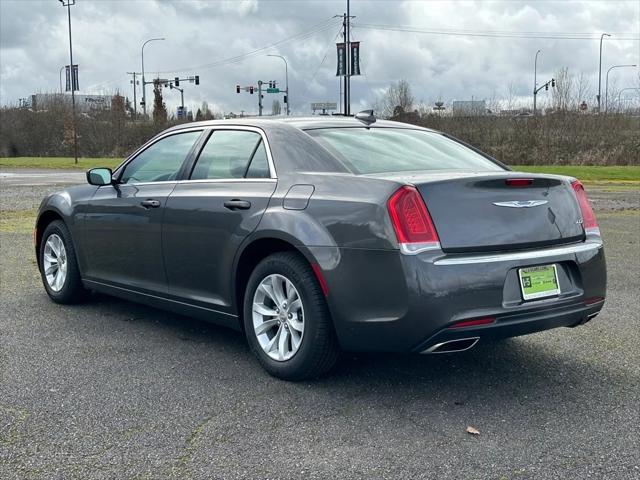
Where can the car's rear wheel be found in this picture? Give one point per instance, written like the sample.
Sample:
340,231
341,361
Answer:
58,265
286,319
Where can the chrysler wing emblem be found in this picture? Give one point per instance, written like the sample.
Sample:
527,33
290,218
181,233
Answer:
521,203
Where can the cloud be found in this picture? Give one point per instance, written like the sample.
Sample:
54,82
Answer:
108,35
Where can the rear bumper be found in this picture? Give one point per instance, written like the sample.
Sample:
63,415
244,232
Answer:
381,300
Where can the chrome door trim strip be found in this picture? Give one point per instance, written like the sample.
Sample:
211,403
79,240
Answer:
515,256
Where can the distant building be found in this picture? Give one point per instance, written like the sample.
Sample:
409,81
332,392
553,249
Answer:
84,103
469,108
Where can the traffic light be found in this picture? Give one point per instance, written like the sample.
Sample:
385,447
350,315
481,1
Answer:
285,99
197,79
237,88
176,81
251,89
553,82
546,86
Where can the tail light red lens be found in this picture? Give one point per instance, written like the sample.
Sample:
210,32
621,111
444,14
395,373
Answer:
588,217
411,221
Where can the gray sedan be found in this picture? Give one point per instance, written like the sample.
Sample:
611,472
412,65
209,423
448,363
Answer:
316,235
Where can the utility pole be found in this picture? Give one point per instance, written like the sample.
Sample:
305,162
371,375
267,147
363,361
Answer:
72,80
345,88
144,83
535,81
345,83
600,69
135,82
348,58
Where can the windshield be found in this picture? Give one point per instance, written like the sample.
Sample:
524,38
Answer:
381,150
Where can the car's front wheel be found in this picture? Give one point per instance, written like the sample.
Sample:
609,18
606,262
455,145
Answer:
286,319
58,265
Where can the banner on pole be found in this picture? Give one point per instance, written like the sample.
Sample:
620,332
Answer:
355,58
342,60
72,77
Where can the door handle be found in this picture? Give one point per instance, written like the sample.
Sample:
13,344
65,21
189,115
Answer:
237,204
150,203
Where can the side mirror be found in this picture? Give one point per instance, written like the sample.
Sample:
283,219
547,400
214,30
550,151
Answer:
99,176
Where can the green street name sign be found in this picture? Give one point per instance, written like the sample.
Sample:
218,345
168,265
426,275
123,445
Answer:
273,90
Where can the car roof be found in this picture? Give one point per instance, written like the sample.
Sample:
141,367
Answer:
302,123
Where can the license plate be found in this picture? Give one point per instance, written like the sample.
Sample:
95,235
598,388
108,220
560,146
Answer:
539,282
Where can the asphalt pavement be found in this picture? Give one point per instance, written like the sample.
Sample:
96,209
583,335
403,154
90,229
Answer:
112,390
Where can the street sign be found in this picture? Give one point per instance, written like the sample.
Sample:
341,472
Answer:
273,90
324,106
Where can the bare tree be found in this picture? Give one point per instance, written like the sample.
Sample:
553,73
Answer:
397,100
582,90
206,112
562,93
511,96
276,109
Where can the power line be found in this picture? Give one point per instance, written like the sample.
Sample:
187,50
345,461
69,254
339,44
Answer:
491,34
366,79
326,52
324,25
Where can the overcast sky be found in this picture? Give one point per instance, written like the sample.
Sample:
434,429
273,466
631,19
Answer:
108,34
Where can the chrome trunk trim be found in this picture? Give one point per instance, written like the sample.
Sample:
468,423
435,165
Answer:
523,255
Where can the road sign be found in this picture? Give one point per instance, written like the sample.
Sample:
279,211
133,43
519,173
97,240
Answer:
273,90
324,106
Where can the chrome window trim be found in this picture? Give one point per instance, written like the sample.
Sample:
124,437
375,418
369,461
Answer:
211,129
241,128
229,180
161,136
523,255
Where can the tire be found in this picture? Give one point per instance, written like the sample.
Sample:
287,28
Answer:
317,346
67,289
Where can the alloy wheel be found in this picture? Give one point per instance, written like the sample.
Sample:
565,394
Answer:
278,317
54,262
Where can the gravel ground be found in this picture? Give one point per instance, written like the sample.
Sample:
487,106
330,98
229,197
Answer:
111,389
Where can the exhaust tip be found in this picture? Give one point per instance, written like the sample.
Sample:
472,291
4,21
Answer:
450,346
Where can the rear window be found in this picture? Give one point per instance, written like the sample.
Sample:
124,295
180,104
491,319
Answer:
380,150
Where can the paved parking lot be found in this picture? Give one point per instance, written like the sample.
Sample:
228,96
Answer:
111,389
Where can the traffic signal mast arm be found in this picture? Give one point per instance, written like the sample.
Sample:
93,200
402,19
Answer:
272,88
551,82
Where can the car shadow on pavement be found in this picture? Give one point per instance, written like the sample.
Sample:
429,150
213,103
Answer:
530,364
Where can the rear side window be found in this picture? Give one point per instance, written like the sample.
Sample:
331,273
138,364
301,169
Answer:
380,150
229,153
162,160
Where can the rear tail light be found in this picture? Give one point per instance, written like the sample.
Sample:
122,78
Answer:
588,217
411,221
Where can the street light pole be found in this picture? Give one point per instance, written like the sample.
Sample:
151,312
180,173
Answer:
606,85
600,68
535,81
144,83
624,90
60,76
72,77
286,81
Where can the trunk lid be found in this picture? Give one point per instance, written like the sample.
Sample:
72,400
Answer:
484,212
